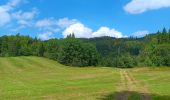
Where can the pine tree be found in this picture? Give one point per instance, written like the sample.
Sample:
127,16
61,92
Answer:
164,31
158,37
73,36
41,50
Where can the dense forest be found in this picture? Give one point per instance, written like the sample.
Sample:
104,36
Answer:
150,50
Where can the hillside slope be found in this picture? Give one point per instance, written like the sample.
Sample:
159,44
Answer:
35,78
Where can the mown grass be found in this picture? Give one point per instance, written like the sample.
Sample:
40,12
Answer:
157,80
35,78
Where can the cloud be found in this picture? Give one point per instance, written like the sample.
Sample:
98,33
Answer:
140,6
47,28
7,10
16,20
105,31
49,22
14,3
140,33
25,18
81,31
45,35
53,25
4,17
46,22
65,22
11,4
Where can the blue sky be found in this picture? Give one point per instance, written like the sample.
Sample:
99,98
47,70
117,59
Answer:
85,18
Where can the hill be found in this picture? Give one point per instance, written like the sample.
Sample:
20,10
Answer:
36,78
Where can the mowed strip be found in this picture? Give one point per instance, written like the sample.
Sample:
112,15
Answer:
156,79
130,86
36,78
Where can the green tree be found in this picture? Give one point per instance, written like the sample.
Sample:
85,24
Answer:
164,31
76,53
41,49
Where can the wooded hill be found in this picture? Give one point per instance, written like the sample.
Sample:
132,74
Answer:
151,50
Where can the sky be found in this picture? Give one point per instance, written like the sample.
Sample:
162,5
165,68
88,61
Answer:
47,19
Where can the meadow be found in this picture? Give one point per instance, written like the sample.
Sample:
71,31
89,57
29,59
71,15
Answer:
36,78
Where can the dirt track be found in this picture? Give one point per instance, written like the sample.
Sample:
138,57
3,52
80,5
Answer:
130,85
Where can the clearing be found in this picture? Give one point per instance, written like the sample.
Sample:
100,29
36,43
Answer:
36,78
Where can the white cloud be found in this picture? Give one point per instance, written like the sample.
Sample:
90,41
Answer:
81,31
47,27
20,15
11,4
14,3
46,22
53,25
45,35
140,33
105,31
25,18
7,10
4,16
65,22
50,22
140,6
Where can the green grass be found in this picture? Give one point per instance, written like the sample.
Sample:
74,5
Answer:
34,78
157,81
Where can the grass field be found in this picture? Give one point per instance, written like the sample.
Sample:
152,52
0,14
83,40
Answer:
35,78
157,80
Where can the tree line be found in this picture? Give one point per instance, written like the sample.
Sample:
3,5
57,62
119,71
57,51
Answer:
150,50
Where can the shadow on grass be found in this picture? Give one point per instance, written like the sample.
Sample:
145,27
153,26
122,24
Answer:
131,95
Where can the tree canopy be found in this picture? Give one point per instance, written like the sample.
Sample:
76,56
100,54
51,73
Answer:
150,50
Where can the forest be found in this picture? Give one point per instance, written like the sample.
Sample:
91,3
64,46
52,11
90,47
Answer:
150,50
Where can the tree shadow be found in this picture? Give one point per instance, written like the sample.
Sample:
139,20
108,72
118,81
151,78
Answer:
132,95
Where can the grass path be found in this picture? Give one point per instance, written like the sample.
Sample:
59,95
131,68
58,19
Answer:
130,86
156,79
